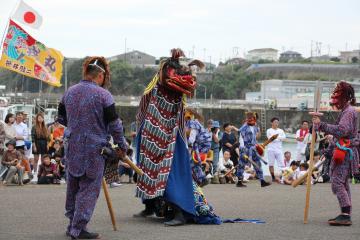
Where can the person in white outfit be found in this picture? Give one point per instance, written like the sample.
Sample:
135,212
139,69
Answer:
274,149
287,159
301,144
21,132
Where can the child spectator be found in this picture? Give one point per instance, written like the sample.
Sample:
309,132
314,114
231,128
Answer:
288,175
249,173
47,173
303,169
56,149
60,167
225,166
317,171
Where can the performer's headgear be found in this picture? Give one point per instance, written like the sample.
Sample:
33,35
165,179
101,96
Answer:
96,65
176,76
342,95
191,113
251,118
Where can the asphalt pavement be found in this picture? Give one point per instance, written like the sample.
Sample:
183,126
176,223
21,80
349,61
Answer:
37,212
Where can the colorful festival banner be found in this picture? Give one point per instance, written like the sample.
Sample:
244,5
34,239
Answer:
25,55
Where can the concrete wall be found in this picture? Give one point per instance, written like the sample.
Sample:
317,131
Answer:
330,71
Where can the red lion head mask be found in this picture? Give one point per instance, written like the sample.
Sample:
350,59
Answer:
176,76
342,95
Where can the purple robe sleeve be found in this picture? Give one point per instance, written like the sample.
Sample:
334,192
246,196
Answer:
113,122
62,113
344,128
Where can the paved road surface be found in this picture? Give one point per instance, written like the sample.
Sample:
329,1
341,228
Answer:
36,212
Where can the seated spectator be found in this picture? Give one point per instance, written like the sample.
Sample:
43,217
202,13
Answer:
228,140
56,131
226,165
287,159
317,171
207,165
56,148
60,167
124,168
12,161
27,170
288,175
303,169
47,173
249,173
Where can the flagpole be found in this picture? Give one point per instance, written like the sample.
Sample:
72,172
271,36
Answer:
3,38
15,7
66,77
7,27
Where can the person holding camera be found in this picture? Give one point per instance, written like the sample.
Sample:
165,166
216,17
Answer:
215,145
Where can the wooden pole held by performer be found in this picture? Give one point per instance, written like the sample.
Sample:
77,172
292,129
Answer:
317,100
127,160
109,204
300,180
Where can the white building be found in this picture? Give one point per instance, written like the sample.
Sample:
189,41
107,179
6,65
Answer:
291,93
269,54
348,56
135,58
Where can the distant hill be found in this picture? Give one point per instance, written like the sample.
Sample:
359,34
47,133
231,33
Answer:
226,82
126,80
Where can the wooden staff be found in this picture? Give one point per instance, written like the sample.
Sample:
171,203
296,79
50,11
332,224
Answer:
308,181
127,160
124,158
109,204
300,180
317,100
246,158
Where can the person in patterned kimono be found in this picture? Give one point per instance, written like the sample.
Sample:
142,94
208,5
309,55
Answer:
88,111
343,151
166,187
248,134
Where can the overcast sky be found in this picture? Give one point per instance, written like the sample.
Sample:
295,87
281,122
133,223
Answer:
223,28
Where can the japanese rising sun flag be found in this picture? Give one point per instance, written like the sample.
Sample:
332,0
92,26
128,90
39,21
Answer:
25,55
26,15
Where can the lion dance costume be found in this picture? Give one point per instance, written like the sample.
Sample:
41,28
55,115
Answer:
167,187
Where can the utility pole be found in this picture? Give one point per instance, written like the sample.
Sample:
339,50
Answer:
125,51
210,65
235,51
66,74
